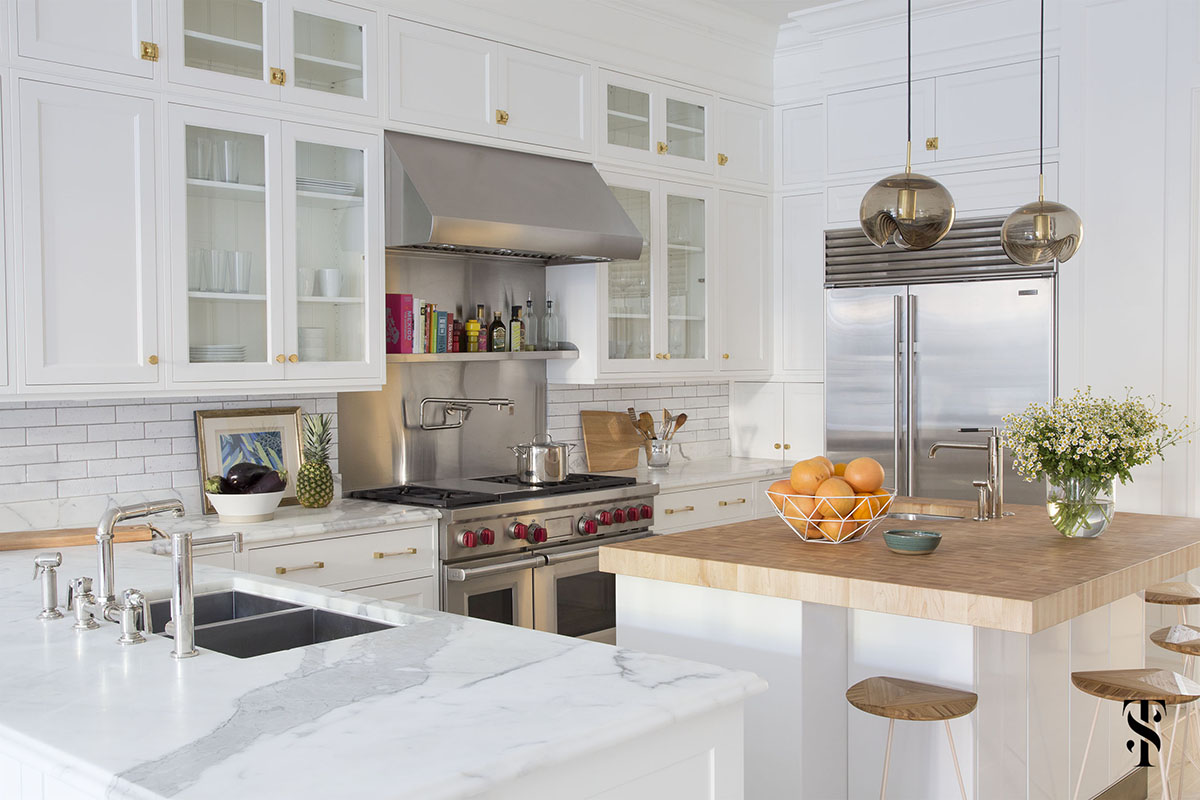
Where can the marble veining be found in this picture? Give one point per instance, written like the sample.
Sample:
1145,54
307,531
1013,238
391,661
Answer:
684,474
440,706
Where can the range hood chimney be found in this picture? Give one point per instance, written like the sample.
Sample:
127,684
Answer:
473,200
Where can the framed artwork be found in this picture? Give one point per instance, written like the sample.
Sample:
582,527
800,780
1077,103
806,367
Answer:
267,436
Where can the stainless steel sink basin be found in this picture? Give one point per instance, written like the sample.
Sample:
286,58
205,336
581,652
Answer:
246,625
913,517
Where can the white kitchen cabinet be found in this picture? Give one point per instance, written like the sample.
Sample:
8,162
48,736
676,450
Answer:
231,45
441,78
802,130
746,321
777,420
690,509
330,53
419,592
994,111
656,123
801,308
743,141
866,128
87,236
544,99
100,34
366,559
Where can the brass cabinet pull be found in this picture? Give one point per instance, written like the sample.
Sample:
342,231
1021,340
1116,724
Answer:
787,447
931,143
149,51
408,551
679,510
286,570
662,148
278,76
778,445
658,355
722,159
152,361
737,502
293,358
501,117
281,358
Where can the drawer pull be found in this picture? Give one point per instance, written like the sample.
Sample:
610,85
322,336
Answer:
737,502
408,551
679,510
286,570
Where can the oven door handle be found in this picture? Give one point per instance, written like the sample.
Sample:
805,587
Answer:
459,574
575,555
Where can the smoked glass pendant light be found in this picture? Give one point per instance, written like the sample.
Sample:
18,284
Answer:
913,210
1042,231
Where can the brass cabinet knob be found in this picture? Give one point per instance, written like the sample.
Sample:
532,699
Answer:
152,361
278,76
787,447
658,355
667,356
778,445
725,356
722,159
149,51
662,148
931,143
501,117
293,358
281,358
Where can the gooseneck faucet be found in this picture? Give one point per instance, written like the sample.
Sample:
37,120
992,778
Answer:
107,598
183,595
994,487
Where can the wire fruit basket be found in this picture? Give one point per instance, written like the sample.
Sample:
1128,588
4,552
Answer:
832,520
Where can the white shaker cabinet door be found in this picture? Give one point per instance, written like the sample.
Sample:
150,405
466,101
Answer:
866,128
745,283
544,99
993,111
419,592
99,34
87,207
756,420
802,304
803,420
802,130
441,78
743,141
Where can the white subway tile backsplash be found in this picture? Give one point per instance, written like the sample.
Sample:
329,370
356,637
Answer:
85,452
144,447
11,436
184,445
87,486
144,413
86,415
19,492
142,483
39,454
182,478
170,463
117,431
58,471
116,466
15,474
170,430
25,417
58,434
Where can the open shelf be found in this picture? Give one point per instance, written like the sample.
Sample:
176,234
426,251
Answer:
331,300
225,190
524,355
228,297
328,199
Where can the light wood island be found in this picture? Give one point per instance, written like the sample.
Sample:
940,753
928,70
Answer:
1006,608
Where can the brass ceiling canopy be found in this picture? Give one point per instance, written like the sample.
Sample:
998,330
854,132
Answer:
913,210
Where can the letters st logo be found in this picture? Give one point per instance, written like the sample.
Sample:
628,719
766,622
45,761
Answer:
1141,725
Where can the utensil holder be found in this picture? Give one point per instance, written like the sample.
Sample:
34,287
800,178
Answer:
658,453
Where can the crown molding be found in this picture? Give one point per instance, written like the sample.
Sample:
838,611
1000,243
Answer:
852,16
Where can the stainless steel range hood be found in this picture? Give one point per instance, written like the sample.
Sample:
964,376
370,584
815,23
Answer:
473,200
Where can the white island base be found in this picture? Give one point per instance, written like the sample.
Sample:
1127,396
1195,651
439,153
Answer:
803,740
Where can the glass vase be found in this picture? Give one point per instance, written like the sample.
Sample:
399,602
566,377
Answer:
1080,508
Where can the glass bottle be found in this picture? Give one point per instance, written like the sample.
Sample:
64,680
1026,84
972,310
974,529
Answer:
497,335
531,327
516,339
549,327
473,336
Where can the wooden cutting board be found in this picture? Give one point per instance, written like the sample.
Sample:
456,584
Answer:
610,440
67,537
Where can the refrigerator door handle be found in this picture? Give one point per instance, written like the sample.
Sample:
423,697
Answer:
911,427
897,390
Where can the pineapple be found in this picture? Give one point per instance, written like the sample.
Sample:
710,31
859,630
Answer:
314,481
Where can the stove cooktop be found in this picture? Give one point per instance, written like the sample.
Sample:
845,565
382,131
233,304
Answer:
456,493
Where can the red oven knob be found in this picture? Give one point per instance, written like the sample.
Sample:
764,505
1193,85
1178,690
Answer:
619,515
487,536
536,535
647,512
517,530
631,514
606,518
467,539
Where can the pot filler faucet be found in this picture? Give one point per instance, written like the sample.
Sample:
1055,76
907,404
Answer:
460,408
991,491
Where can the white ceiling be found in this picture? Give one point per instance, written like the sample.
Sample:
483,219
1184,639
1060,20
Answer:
772,11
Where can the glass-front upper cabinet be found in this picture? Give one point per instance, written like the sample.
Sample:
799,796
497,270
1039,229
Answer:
658,306
312,52
656,123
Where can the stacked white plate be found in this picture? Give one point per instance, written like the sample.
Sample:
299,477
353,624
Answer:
327,186
314,344
214,353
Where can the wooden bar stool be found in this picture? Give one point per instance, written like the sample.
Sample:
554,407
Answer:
1154,685
1185,640
896,698
1174,593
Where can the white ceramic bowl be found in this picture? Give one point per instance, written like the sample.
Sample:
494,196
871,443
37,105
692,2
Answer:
245,507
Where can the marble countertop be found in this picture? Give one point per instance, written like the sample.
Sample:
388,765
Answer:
684,474
388,712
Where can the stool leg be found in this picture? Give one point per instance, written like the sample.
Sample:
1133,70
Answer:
1183,754
954,755
887,757
1171,746
1087,747
1162,769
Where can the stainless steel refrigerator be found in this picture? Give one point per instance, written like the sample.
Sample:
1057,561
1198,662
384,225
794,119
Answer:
921,344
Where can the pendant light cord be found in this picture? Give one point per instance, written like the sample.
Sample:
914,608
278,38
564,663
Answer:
1041,105
908,157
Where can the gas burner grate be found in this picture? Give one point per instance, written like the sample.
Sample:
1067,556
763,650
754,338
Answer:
430,496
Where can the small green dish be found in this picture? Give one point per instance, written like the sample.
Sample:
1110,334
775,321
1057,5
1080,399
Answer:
912,543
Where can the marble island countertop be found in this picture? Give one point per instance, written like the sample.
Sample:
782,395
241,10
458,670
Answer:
387,713
1016,574
685,474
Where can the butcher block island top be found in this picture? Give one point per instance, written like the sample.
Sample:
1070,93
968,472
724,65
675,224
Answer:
1015,574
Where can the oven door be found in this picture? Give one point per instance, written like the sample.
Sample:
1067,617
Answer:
499,590
572,597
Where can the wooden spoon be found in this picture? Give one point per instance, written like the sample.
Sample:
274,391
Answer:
682,418
646,423
637,426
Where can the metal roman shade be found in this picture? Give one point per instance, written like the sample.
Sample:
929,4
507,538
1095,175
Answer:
970,251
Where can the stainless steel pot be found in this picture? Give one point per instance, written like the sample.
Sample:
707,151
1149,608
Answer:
543,460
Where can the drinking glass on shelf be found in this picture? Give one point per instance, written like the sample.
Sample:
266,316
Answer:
216,268
204,158
227,161
239,271
307,280
197,257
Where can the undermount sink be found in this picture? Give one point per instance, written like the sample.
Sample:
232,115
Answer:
914,517
245,625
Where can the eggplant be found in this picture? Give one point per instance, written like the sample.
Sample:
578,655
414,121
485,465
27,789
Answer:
242,477
273,481
218,485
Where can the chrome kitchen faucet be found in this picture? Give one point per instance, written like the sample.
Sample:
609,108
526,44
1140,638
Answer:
991,493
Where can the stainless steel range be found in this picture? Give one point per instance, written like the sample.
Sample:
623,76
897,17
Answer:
528,555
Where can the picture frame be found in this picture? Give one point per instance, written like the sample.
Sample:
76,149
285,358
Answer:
269,436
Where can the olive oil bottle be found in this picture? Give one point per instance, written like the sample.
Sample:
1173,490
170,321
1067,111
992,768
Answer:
497,335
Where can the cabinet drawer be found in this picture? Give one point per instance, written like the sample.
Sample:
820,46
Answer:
348,558
703,508
419,592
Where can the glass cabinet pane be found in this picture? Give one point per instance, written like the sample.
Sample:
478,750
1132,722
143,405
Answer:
686,274
227,246
628,117
629,305
224,36
685,129
330,253
329,55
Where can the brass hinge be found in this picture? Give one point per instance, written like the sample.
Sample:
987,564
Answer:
149,51
722,159
662,148
278,76
931,143
501,117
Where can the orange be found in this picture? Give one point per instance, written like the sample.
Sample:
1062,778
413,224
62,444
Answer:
837,529
836,498
864,474
864,507
800,509
776,490
808,475
824,461
884,500
839,470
